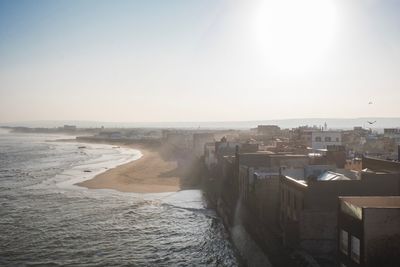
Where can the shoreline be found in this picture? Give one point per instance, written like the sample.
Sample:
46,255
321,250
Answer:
151,173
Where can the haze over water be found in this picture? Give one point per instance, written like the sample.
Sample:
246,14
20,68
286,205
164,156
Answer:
46,221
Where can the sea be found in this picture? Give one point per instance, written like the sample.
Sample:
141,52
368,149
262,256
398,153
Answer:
47,220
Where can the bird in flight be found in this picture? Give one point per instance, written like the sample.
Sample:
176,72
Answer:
371,122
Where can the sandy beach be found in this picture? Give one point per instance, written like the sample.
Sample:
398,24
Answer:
149,174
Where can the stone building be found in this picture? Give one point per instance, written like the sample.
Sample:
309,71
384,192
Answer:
369,231
308,210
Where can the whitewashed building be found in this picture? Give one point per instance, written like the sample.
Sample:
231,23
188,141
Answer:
321,139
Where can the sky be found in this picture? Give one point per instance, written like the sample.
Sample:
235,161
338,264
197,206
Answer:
192,60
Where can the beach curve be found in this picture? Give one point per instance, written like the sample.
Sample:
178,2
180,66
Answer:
149,174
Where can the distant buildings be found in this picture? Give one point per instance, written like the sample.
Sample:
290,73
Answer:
392,133
113,135
199,140
322,139
268,130
178,140
291,200
69,128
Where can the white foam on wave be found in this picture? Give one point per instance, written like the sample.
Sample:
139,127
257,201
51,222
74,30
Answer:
101,157
91,160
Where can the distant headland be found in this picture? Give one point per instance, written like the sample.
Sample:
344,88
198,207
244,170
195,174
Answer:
333,123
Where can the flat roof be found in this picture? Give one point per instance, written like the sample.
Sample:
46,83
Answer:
373,201
295,181
332,176
273,154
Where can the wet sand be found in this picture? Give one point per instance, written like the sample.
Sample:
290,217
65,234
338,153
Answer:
149,174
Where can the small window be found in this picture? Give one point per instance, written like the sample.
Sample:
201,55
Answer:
344,241
355,249
318,139
337,139
328,139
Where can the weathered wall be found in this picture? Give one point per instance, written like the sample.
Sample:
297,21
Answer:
323,194
317,231
266,199
382,236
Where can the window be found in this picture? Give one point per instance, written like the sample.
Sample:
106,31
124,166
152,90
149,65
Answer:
337,139
328,139
318,139
355,249
344,241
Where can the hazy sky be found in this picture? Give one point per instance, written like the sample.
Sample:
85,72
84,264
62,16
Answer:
198,60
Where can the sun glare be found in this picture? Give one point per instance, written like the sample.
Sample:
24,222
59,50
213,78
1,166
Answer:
295,35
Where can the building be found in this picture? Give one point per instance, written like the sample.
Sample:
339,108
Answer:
178,140
308,209
369,231
336,154
323,139
199,140
70,128
110,135
226,148
67,128
354,164
302,135
210,158
380,165
259,180
392,133
269,130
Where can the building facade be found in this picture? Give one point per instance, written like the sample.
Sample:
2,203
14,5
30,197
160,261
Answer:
323,139
369,231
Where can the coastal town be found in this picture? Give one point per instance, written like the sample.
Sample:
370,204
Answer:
308,196
324,197
208,133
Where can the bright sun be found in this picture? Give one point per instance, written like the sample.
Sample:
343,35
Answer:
295,35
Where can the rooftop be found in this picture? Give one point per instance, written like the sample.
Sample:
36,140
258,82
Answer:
353,206
373,201
276,155
382,165
301,183
332,176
